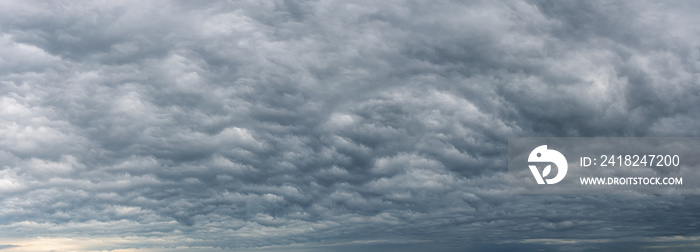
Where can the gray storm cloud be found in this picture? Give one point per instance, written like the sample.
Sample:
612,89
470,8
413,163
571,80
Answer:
331,126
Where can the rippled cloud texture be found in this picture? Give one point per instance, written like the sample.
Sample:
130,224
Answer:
331,125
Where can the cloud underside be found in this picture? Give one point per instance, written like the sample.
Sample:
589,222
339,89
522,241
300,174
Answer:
320,125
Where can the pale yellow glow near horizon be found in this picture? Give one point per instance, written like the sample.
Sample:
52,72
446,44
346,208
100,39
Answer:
140,244
95,244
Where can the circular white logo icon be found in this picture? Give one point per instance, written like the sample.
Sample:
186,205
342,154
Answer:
542,155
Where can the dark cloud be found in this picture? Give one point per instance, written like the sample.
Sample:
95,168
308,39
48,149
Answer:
330,126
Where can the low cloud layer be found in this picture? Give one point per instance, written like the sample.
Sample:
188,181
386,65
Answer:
331,126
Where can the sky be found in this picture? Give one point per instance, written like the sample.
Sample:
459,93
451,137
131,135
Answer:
332,125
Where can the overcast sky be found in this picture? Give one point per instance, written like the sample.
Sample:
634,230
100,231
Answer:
332,125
